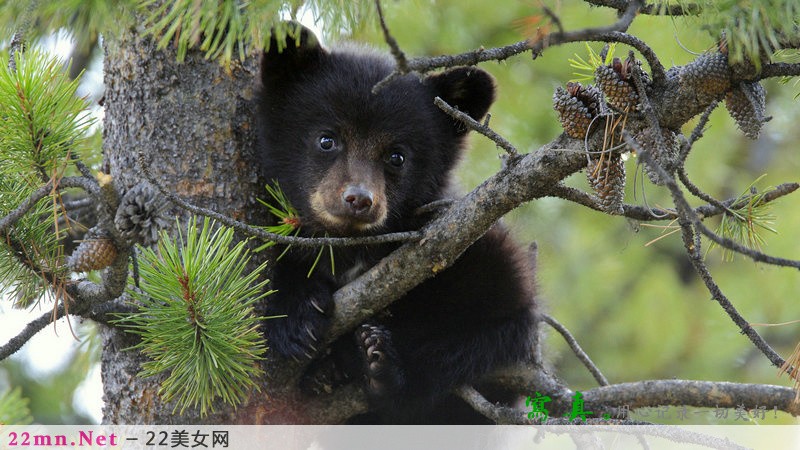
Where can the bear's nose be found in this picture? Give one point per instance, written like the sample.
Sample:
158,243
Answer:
358,199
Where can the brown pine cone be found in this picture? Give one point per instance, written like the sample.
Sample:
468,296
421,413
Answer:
746,103
576,106
96,251
606,175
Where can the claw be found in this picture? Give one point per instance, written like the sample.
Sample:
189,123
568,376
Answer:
310,333
316,306
307,354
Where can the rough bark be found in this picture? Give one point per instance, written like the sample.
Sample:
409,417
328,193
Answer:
193,124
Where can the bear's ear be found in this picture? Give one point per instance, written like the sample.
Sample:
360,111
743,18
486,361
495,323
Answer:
301,52
469,89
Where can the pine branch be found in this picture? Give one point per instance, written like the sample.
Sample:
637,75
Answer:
196,325
14,408
67,182
779,70
688,219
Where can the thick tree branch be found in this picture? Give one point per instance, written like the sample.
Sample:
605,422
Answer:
501,415
531,177
701,394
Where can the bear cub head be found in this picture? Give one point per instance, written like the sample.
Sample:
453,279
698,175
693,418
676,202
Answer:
350,160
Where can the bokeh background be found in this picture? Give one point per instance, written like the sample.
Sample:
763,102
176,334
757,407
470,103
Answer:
625,290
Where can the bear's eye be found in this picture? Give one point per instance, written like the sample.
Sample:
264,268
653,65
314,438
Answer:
396,159
326,143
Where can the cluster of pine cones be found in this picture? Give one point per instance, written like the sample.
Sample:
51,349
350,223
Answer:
141,214
578,109
708,78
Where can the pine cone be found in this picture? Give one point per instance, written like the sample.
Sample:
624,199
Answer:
96,251
708,75
667,157
606,175
746,103
142,213
576,107
616,83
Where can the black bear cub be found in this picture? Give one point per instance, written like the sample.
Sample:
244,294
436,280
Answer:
353,163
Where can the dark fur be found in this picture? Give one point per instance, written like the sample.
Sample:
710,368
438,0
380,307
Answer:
452,329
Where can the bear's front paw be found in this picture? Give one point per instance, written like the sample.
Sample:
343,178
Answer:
297,335
381,362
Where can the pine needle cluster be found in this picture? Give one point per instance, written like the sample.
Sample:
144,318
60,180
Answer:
43,122
288,224
225,29
747,223
196,317
85,19
14,408
752,28
585,69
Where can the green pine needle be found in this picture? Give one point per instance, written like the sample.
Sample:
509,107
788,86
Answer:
14,408
43,121
585,69
751,28
747,224
85,20
43,118
28,248
288,224
225,29
196,317
280,207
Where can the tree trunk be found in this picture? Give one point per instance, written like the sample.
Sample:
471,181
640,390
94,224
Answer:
192,123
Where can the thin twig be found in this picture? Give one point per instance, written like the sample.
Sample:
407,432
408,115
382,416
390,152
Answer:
67,182
30,330
576,348
690,9
739,203
698,131
687,218
399,56
477,126
82,168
